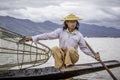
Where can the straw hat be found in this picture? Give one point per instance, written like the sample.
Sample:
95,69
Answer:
71,17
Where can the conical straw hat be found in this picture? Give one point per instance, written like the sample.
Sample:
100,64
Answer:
71,17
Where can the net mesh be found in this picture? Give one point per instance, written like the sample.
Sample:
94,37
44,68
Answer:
21,54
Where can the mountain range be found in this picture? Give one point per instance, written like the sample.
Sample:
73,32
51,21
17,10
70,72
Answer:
29,28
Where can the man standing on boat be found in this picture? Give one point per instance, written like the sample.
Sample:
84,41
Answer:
69,40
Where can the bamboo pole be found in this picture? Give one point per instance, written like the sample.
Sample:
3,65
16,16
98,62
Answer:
107,69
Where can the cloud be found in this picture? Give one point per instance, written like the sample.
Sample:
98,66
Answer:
100,12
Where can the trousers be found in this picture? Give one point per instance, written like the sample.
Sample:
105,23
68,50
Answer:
63,57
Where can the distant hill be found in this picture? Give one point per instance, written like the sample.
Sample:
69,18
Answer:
28,28
25,26
98,31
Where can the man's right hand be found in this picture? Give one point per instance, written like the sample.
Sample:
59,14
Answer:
28,38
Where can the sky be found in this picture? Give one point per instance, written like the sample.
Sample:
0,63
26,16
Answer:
99,12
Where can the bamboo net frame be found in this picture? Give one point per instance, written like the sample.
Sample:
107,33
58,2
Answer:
28,54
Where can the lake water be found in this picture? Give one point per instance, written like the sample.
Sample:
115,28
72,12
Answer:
109,49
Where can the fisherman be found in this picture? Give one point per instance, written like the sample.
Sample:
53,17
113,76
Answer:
69,40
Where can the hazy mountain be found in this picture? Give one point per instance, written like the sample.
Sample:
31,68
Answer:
27,27
98,31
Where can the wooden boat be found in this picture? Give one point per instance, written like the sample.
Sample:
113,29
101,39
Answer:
52,73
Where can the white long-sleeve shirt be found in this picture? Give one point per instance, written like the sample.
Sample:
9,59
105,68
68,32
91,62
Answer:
66,39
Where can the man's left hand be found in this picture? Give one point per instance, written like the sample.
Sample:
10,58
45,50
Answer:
97,56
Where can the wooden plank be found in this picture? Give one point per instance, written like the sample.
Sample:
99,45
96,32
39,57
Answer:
69,68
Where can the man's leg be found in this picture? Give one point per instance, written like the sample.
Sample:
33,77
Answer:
71,56
58,55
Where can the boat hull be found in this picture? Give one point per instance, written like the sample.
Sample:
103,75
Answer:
54,73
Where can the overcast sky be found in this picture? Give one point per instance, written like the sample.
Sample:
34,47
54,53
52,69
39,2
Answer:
100,12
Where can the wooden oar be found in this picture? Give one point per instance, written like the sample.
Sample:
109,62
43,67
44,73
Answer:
94,53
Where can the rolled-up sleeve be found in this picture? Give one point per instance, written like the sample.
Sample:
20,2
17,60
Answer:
84,47
46,36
